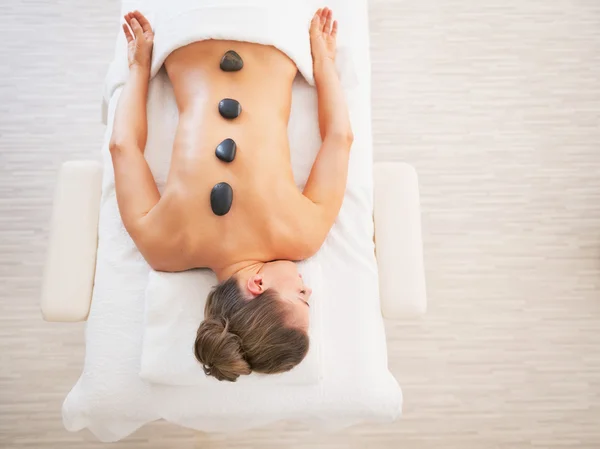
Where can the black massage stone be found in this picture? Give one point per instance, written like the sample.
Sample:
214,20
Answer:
221,197
226,150
231,62
229,108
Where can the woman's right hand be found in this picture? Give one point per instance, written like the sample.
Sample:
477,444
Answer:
140,43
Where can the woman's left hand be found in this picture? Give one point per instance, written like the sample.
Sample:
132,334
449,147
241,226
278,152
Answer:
140,43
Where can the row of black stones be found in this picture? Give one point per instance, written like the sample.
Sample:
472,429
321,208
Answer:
221,195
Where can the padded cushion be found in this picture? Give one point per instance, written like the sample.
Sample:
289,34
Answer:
71,258
399,244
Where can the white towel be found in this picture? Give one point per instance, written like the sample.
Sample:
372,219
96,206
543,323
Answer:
283,24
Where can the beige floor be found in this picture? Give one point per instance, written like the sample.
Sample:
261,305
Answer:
496,103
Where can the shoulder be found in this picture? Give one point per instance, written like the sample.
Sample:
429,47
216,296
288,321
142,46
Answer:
163,241
303,231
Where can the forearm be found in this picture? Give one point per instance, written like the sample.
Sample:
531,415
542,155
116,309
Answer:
136,190
334,119
130,126
326,183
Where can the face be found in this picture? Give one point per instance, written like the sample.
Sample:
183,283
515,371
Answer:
283,277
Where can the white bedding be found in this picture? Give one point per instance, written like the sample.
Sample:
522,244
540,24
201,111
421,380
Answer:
112,400
176,23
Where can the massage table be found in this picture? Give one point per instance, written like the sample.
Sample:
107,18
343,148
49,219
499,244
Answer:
73,242
372,259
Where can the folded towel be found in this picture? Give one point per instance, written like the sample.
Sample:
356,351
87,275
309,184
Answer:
283,24
174,309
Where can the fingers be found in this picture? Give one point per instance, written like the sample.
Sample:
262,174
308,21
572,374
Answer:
128,35
137,28
128,18
323,21
328,19
324,12
142,21
136,20
334,30
315,23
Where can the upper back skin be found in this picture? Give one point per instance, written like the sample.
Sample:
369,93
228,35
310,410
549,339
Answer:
264,193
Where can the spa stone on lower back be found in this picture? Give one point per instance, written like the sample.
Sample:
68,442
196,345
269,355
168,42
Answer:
229,108
231,62
226,150
221,197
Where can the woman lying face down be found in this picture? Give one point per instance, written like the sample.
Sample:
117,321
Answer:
230,202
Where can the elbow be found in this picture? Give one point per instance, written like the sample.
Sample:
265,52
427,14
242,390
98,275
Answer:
343,137
115,143
118,145
115,147
349,137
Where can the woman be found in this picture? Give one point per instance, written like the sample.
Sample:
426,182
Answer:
230,202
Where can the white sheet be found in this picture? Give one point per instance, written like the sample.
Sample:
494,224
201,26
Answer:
110,398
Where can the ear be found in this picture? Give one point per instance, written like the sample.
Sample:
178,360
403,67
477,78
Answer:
255,285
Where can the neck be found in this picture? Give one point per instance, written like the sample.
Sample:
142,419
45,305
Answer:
243,269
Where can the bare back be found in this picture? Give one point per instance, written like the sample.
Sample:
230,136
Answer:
264,193
269,217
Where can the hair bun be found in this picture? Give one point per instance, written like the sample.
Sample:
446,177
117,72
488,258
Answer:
220,351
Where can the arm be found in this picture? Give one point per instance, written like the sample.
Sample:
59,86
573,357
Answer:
148,221
136,190
135,187
326,183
